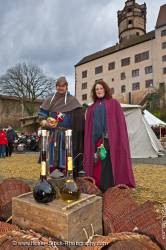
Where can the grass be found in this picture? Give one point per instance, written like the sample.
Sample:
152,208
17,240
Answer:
20,166
151,182
150,179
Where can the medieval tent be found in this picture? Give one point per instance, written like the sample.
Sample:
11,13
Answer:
143,141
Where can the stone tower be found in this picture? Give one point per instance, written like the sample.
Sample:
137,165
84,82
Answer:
131,20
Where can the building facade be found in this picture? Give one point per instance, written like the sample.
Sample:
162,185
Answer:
134,67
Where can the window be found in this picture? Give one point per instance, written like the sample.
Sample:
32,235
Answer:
123,88
137,33
111,66
98,80
164,70
84,85
162,87
84,97
84,74
135,86
125,61
135,72
164,58
149,83
122,76
163,33
130,21
129,9
98,69
112,79
163,45
141,56
148,70
112,91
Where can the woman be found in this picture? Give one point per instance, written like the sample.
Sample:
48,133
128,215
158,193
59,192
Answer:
3,143
106,151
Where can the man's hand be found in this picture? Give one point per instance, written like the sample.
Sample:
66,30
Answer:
52,122
49,123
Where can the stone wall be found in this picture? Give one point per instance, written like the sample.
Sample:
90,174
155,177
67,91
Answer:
11,111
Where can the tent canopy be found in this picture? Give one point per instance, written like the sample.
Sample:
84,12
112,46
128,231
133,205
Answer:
153,120
143,141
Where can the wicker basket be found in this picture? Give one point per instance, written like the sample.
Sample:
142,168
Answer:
87,185
10,188
30,240
6,227
144,218
122,241
116,201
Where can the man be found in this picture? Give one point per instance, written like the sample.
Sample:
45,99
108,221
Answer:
11,136
73,118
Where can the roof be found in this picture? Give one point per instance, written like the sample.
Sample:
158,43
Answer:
161,20
130,106
6,97
153,120
32,117
119,46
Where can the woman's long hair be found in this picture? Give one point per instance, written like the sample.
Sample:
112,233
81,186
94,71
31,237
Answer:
107,89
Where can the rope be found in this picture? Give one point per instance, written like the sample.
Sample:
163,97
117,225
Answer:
90,238
65,97
52,99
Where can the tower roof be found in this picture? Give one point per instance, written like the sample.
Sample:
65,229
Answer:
161,20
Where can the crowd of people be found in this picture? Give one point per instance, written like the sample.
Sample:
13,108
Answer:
7,138
10,142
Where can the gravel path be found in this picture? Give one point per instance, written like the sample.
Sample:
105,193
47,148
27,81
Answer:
161,160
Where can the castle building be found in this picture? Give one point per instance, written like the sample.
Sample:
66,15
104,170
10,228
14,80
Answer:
134,67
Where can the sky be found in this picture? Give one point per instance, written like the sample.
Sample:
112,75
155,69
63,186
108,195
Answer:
56,34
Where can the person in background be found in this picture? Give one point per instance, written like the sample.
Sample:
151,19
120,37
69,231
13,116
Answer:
106,151
11,137
3,143
65,108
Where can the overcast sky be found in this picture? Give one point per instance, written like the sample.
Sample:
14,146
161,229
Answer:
56,34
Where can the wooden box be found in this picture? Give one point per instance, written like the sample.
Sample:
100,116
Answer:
58,218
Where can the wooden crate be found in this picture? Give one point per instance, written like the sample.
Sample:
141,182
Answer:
58,218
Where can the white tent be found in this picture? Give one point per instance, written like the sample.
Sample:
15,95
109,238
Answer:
153,120
143,141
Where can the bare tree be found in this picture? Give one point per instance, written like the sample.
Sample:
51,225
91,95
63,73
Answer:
27,82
